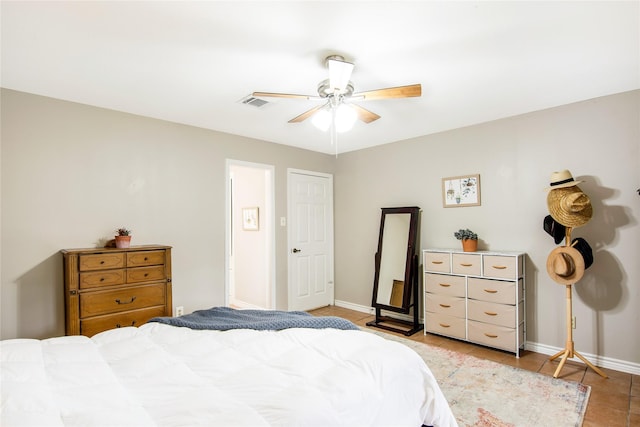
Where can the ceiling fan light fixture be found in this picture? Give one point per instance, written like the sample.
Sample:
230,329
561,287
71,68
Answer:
345,118
322,120
339,74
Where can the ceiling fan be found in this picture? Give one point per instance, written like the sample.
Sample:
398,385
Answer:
337,92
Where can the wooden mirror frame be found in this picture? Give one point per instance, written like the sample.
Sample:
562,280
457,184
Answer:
410,297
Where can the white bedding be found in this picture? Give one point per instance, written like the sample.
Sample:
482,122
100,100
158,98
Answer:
159,375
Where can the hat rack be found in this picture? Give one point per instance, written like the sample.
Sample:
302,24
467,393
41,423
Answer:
569,206
569,350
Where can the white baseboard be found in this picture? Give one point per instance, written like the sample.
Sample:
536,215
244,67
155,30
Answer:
354,307
601,361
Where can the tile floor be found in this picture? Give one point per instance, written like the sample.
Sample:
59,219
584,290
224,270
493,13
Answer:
614,401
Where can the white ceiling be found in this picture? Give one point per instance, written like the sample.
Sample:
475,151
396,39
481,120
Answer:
192,62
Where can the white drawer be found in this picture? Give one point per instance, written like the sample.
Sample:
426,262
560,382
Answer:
494,336
496,314
498,291
501,267
445,285
466,264
445,325
444,304
437,261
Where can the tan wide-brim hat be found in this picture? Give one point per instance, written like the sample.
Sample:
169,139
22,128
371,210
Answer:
565,265
562,179
569,206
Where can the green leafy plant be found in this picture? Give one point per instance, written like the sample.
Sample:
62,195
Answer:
123,232
465,234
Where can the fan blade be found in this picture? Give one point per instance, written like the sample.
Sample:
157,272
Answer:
391,92
282,95
304,116
364,114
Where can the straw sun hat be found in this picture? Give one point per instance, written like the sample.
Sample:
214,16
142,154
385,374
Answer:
569,206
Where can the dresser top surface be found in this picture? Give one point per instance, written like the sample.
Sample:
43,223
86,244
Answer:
460,251
108,250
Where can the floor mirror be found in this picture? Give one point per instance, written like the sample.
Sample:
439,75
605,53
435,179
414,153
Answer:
395,284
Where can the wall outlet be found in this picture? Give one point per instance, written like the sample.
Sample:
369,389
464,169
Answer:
179,311
573,322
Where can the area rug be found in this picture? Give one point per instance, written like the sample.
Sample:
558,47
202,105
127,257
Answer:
483,393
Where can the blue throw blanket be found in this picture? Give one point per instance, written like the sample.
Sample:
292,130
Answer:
225,318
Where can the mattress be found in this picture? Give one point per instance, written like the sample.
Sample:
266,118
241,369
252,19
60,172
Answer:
162,375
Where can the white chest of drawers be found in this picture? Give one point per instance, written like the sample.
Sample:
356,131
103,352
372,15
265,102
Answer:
476,296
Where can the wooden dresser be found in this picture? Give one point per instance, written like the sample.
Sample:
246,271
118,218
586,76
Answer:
108,288
476,296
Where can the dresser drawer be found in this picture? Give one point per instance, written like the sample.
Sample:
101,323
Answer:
103,302
445,285
437,261
95,279
501,267
496,314
445,325
498,291
495,336
145,274
101,261
90,327
444,304
141,259
469,264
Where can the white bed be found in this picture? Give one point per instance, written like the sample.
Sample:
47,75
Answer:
160,375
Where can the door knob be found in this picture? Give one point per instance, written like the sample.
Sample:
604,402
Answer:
296,250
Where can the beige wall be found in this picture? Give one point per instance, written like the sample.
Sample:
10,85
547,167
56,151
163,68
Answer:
71,174
597,140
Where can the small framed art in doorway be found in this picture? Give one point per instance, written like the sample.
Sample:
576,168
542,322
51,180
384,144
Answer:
250,219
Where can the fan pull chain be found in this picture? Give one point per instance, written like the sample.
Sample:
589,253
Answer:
334,130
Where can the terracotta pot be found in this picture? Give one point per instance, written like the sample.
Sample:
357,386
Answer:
469,245
123,241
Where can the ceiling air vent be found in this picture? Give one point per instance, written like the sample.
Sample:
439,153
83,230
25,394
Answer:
253,101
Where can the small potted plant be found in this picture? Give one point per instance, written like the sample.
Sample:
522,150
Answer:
469,239
123,238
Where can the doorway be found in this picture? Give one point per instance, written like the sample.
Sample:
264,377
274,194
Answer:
250,241
310,236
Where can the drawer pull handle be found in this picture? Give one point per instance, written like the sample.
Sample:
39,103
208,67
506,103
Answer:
491,335
145,258
488,313
445,305
101,262
126,302
466,265
499,267
146,274
491,291
102,279
444,325
436,262
132,324
444,285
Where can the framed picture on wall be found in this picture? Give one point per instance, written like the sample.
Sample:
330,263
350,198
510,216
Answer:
250,219
461,191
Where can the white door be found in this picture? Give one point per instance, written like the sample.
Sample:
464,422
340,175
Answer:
310,231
